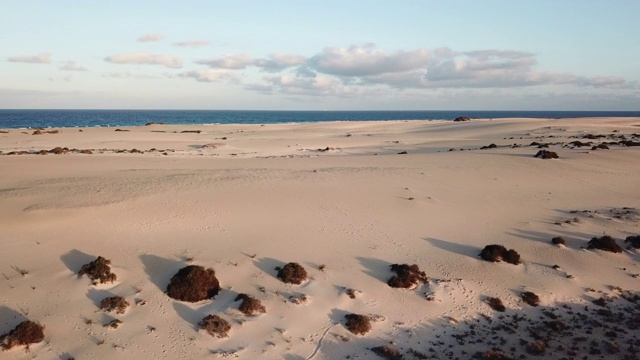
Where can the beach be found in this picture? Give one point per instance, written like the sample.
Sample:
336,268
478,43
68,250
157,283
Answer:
345,200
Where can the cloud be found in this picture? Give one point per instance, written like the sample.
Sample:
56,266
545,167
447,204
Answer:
192,43
72,66
150,37
128,75
42,58
279,61
211,75
367,60
232,62
145,59
320,85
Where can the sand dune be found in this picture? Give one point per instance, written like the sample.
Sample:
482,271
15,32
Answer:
340,200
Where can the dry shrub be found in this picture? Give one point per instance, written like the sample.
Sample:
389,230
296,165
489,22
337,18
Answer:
530,298
215,326
558,240
387,352
545,154
358,324
496,253
536,347
114,303
193,283
98,271
407,276
606,243
492,354
496,304
26,333
634,241
250,306
292,273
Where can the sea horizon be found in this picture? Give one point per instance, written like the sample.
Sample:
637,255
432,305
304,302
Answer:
69,118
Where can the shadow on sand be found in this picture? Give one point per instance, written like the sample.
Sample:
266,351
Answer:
74,260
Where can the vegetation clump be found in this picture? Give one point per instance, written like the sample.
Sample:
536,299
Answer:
530,298
98,271
114,303
496,253
536,347
606,243
558,240
546,154
250,306
634,241
26,333
193,283
387,352
496,304
358,324
407,276
292,273
492,354
215,326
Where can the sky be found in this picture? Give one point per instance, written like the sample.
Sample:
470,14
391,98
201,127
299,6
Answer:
320,55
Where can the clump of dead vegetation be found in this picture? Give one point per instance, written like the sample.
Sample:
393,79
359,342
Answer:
558,240
292,273
546,154
387,352
606,243
358,324
250,306
530,298
215,326
496,253
407,276
496,304
114,303
98,271
193,283
26,333
634,241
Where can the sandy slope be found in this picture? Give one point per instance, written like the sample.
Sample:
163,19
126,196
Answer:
356,208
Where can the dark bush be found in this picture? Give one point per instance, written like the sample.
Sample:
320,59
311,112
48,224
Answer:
493,354
496,304
530,298
461,118
606,243
98,271
496,253
545,154
292,273
558,240
387,352
358,324
407,276
193,283
536,347
250,306
215,326
634,241
26,333
117,303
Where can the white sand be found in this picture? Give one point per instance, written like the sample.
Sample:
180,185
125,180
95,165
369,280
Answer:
356,208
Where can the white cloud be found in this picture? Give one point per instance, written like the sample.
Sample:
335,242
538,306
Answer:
72,66
150,37
42,58
145,59
192,43
233,62
279,61
367,60
211,75
128,75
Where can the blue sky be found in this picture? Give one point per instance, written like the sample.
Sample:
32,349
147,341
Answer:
320,55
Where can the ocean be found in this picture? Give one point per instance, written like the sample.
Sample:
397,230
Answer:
88,118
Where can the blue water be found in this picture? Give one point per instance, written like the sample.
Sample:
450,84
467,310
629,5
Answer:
84,118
